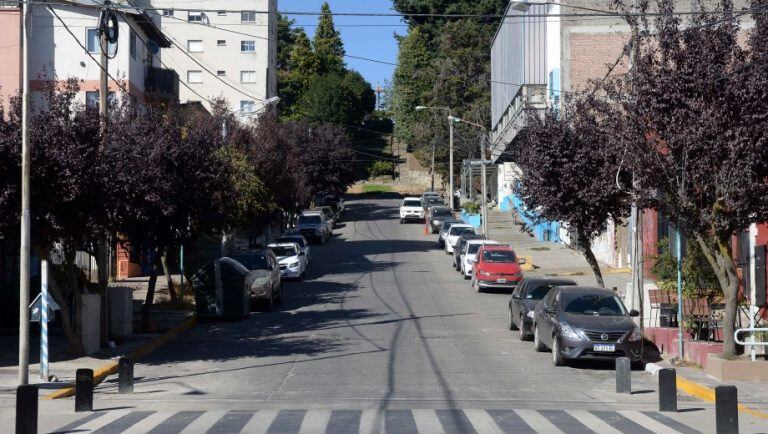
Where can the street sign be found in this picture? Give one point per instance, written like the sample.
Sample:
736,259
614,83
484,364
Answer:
36,307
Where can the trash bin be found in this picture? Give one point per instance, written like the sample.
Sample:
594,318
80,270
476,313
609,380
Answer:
222,290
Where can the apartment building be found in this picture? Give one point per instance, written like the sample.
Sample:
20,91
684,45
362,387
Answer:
222,50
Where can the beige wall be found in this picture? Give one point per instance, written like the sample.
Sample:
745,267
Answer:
10,54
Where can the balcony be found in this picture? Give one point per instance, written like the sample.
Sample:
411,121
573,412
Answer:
162,82
513,120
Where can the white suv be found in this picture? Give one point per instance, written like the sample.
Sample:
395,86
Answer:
453,234
411,209
469,255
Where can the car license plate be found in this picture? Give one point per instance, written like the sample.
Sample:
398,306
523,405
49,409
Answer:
604,348
501,280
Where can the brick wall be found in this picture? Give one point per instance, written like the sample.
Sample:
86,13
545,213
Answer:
590,55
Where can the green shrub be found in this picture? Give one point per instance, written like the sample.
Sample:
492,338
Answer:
699,280
471,208
380,168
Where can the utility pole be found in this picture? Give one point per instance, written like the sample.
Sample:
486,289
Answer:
450,147
484,206
433,167
103,115
25,249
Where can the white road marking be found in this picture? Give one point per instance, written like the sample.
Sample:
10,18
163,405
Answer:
647,422
260,422
537,422
149,422
593,422
315,422
104,420
427,421
204,422
482,421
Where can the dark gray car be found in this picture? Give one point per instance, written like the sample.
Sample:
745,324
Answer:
580,322
267,287
444,228
437,215
528,293
459,250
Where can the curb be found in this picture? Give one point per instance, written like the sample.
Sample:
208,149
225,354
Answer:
701,391
111,367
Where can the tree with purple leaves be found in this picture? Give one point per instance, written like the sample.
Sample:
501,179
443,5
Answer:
569,174
692,120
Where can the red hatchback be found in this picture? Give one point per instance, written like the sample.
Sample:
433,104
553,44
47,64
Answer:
496,267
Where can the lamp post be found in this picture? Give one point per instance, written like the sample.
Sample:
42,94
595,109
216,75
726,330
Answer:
484,202
450,146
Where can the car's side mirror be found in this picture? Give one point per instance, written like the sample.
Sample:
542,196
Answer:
634,312
516,296
472,261
521,261
550,310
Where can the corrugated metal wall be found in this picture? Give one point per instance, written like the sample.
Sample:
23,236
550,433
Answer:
518,56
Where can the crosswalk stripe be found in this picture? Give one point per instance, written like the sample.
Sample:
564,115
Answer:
537,422
233,421
620,422
260,422
647,422
125,422
344,422
104,420
372,421
204,422
176,422
455,421
315,422
427,422
482,421
666,420
146,424
593,422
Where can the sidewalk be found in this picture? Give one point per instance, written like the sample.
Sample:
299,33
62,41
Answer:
63,366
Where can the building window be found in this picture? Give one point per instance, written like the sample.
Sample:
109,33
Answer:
92,99
167,12
195,17
248,76
221,73
194,76
248,16
248,46
247,106
92,42
132,44
221,43
195,46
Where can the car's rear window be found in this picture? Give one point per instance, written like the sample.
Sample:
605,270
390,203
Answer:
441,212
284,251
473,248
592,305
540,291
299,241
461,230
252,262
309,220
411,202
499,256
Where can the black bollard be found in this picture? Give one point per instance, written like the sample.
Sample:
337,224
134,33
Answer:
726,410
26,409
623,375
125,375
667,390
84,390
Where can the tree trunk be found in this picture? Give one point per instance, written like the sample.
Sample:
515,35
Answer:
586,245
101,254
168,278
73,340
146,309
720,258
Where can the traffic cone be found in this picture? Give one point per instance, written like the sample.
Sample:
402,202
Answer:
426,230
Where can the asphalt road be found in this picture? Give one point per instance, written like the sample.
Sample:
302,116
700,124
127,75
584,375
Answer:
382,335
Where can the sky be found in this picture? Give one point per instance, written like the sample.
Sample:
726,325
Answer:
370,37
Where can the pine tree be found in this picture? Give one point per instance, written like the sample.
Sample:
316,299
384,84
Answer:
329,48
304,61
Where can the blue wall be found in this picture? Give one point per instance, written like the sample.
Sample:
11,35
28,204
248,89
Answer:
543,231
471,219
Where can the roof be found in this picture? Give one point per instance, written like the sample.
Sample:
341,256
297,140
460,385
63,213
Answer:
283,245
480,241
142,19
499,247
590,290
461,225
544,279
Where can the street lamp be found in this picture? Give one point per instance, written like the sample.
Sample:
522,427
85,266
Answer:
484,206
450,145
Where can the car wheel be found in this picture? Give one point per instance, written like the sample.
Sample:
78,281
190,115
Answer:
523,335
537,344
401,221
466,276
557,357
476,285
510,323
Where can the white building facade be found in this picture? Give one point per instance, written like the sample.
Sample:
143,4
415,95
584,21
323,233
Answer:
222,50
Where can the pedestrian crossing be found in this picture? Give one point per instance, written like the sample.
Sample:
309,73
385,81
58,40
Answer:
369,421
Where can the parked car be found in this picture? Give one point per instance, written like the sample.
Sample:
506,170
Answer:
313,226
337,208
458,251
431,201
437,215
444,230
411,209
301,241
293,263
580,322
453,233
429,194
267,287
469,255
496,267
529,292
222,290
328,212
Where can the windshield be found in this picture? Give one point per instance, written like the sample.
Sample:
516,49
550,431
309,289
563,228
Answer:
593,305
447,224
461,230
441,212
284,250
473,248
432,199
309,220
539,292
252,262
411,202
299,241
499,256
